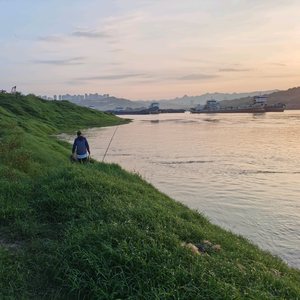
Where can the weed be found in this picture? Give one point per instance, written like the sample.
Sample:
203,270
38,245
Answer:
9,174
12,154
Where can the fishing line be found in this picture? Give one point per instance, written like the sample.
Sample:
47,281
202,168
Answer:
109,143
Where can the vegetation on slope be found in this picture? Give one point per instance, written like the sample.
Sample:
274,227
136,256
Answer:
289,97
95,231
39,116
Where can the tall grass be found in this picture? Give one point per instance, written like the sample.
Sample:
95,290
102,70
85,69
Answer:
12,154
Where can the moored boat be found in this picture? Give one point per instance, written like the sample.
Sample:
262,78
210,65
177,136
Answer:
212,106
171,110
279,107
130,112
152,109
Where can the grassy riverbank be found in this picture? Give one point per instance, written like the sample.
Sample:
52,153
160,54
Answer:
95,231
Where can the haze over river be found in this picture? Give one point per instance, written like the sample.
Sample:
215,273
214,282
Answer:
241,170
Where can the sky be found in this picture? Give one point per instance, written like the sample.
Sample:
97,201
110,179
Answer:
149,50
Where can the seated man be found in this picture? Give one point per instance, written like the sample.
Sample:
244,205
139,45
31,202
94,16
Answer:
82,147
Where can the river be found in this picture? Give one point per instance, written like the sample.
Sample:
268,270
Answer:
241,170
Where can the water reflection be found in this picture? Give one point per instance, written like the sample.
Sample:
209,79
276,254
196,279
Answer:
241,170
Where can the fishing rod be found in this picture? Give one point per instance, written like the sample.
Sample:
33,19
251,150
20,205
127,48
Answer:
109,143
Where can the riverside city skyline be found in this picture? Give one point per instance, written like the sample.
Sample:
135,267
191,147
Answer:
76,98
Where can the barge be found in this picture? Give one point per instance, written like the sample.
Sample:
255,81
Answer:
152,109
213,107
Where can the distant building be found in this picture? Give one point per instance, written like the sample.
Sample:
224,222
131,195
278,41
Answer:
78,98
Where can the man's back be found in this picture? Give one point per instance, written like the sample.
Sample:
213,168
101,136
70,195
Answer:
81,144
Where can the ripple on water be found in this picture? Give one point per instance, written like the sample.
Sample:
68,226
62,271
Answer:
241,171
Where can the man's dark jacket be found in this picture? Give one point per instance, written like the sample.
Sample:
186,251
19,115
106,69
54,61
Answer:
81,144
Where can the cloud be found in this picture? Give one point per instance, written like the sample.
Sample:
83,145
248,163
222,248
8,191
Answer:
147,81
91,33
77,82
114,42
111,77
235,70
63,62
55,38
197,76
115,63
82,32
81,28
278,64
115,50
122,21
280,76
197,60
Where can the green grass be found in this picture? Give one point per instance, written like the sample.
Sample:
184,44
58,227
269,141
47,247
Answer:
42,117
95,231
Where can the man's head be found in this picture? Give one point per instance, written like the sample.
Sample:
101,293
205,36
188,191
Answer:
79,133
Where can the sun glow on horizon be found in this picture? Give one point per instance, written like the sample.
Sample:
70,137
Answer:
150,50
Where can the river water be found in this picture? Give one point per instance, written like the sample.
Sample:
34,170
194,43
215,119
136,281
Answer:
241,170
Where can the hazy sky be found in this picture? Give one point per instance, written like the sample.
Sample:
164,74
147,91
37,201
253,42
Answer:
142,49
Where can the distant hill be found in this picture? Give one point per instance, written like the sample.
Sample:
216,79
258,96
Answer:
189,101
185,102
290,97
111,103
